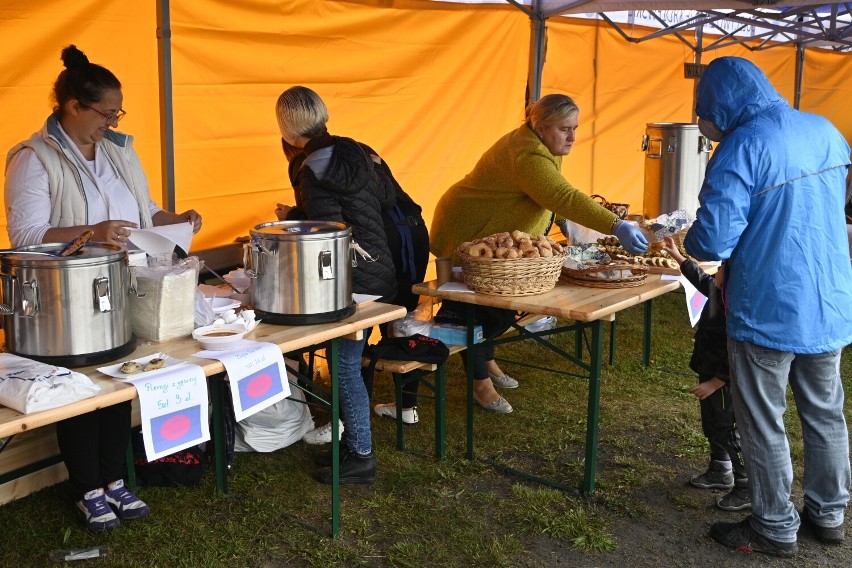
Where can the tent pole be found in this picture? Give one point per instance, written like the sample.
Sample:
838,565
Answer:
164,61
699,50
800,65
538,45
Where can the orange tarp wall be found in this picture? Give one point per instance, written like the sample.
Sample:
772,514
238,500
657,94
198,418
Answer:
428,85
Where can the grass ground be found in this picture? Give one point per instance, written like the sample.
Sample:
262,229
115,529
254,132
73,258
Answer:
459,512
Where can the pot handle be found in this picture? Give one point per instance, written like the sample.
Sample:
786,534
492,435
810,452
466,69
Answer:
7,309
29,298
134,284
100,287
252,259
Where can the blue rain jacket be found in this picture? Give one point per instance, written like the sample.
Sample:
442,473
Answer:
772,203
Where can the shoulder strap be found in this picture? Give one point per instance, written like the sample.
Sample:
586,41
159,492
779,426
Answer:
406,239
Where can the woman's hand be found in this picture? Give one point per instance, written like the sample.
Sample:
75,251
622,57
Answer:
281,211
192,216
631,238
113,232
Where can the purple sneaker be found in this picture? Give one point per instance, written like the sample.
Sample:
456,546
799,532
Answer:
126,504
95,511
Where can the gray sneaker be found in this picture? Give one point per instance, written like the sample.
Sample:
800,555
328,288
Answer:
714,478
737,500
503,381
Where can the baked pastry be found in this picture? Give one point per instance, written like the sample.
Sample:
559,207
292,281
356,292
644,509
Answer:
154,364
130,368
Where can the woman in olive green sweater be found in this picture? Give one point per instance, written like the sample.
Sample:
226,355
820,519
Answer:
516,184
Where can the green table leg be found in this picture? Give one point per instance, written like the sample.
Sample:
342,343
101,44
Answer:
441,411
217,383
471,324
646,338
398,386
612,343
334,369
131,468
593,411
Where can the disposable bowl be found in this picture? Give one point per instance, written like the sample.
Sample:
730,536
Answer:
218,337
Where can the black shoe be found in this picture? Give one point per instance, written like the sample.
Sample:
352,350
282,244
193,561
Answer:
826,535
736,500
323,457
354,468
716,477
745,539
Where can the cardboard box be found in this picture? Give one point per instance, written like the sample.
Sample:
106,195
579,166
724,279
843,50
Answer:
452,334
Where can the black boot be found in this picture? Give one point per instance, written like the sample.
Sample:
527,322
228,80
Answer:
354,468
323,457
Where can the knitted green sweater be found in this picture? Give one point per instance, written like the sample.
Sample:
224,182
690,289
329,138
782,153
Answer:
516,184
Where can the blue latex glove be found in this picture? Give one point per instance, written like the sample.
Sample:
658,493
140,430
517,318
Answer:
631,238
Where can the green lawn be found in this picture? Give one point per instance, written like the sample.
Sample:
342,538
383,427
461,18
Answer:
451,513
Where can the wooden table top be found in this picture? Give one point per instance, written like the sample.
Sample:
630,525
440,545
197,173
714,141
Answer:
569,301
288,338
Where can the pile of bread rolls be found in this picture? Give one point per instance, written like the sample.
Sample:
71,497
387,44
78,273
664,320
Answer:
516,244
654,256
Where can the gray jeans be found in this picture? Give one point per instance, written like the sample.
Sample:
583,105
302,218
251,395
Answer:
759,378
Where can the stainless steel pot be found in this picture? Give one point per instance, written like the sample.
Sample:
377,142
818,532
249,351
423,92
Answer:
301,271
70,311
676,157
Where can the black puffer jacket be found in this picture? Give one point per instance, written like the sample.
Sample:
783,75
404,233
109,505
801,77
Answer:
334,180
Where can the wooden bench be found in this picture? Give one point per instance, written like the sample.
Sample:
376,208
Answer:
416,371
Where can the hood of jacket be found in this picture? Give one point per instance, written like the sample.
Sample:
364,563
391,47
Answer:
339,163
732,90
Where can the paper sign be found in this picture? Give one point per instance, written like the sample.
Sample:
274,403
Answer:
695,300
162,239
174,409
256,373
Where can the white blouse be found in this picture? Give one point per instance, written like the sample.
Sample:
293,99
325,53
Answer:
28,204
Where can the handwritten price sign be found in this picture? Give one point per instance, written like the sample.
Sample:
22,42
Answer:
174,409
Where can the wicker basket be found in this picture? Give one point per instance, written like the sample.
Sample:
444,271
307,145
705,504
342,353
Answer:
617,274
511,276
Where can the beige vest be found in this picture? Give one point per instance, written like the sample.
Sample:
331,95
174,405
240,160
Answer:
68,207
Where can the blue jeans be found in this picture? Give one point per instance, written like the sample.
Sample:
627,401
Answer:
354,401
759,378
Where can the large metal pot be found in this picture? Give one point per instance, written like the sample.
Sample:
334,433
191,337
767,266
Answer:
301,271
676,157
69,311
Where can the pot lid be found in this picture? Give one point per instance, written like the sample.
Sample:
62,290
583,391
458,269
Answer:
301,229
92,253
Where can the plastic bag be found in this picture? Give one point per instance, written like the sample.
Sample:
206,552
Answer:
419,320
277,426
29,386
204,314
164,306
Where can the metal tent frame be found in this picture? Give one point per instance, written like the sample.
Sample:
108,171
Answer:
782,22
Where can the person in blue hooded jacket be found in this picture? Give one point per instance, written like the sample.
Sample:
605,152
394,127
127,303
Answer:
772,206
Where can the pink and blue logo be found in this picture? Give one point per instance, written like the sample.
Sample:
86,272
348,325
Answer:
176,428
259,386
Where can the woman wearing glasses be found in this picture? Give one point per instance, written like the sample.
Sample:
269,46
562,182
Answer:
76,173
72,175
516,185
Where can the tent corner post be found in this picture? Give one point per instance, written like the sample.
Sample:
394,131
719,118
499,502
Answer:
164,65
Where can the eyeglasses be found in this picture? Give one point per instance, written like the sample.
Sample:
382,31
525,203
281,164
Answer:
109,117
